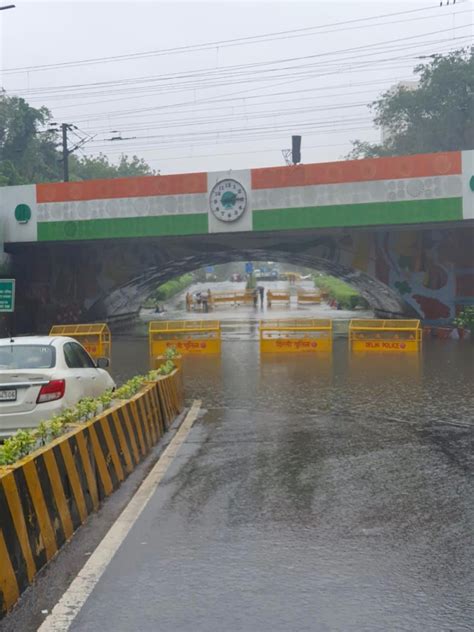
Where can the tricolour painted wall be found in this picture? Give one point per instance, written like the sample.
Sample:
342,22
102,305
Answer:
377,192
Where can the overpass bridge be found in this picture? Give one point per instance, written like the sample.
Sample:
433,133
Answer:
399,229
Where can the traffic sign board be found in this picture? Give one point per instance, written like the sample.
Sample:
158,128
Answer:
249,267
7,295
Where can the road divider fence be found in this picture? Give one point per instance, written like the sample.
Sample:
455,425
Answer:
47,495
385,335
295,336
95,338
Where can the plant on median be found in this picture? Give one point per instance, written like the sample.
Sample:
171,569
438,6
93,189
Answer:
344,294
25,441
466,320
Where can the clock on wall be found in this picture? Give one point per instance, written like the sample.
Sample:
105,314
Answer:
228,200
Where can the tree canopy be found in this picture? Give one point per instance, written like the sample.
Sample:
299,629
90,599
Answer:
29,151
437,114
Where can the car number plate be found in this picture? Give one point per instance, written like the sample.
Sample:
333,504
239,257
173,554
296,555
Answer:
8,395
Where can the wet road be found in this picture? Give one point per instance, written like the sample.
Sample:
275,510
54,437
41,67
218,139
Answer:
312,494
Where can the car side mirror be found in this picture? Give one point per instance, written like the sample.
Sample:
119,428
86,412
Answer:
102,363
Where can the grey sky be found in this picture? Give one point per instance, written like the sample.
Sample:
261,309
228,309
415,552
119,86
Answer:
222,117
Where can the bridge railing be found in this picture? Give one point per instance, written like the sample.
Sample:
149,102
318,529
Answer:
95,337
385,335
298,335
187,336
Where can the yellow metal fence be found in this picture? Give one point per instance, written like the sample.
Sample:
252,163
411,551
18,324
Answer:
301,335
95,337
276,296
308,297
187,336
385,335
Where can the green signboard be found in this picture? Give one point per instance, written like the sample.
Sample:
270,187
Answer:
7,295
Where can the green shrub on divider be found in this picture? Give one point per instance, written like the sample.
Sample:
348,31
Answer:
25,441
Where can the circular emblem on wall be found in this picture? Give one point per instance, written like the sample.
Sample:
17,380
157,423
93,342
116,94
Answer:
228,200
22,213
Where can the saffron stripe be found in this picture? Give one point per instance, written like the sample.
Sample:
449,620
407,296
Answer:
416,166
122,188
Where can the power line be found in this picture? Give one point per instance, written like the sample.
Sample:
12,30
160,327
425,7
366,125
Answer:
210,45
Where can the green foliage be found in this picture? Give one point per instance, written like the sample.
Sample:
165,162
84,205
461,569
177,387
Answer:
438,115
171,353
344,294
29,150
169,289
466,320
27,154
97,167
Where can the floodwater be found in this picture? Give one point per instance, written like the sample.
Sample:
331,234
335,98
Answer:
316,493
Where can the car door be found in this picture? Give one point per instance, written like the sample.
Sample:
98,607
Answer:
97,379
81,372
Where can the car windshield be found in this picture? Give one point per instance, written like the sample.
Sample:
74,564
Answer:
27,357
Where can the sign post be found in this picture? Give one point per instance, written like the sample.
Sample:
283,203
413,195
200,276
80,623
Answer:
7,295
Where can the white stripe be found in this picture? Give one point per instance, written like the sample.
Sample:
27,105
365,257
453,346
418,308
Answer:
74,598
468,193
358,192
156,205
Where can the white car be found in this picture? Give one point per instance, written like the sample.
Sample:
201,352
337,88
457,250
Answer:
40,376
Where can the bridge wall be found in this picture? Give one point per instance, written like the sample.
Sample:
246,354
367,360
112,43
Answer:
375,192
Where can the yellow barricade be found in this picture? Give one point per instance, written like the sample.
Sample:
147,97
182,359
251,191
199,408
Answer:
95,338
385,335
302,335
188,336
242,296
306,297
276,296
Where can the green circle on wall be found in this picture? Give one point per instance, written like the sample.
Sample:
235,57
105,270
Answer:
471,183
22,213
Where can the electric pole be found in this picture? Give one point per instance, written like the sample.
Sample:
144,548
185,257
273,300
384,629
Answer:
64,128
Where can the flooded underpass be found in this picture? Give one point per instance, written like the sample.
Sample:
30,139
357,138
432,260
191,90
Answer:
313,493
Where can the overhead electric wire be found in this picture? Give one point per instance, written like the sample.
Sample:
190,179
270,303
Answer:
202,75
262,38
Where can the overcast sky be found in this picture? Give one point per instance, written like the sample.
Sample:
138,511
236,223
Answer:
217,100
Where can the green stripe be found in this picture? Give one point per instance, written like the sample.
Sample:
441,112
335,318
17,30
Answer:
372,214
123,227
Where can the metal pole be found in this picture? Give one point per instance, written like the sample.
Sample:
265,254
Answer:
64,128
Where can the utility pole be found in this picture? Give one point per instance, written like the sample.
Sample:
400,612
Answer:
64,128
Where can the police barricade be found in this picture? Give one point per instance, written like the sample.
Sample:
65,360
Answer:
234,297
187,336
95,338
276,296
385,335
308,297
302,335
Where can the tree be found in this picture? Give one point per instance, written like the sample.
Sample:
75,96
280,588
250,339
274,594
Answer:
26,153
436,115
29,151
89,167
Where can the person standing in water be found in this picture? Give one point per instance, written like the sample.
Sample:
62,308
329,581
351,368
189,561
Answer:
261,291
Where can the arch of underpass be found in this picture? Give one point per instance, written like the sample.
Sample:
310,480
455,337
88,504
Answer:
116,304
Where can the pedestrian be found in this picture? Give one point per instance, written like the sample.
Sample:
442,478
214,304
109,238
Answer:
261,291
255,298
189,301
205,304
